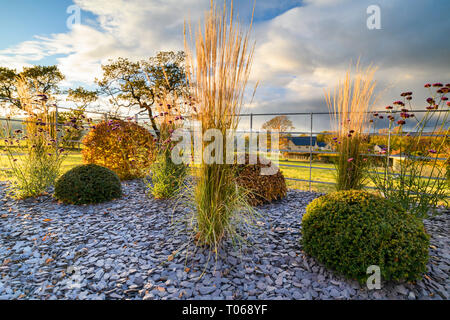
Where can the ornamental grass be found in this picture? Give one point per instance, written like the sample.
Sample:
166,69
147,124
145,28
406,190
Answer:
349,106
218,68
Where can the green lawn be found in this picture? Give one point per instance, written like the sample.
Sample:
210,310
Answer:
300,171
72,159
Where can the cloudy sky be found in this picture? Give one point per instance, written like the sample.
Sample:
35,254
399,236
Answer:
302,46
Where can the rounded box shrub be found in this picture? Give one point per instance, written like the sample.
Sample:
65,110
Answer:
122,146
349,231
88,184
261,188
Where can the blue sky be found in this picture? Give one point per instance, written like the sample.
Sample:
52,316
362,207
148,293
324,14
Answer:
22,20
30,18
302,47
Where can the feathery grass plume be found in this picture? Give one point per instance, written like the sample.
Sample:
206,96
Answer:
218,73
349,106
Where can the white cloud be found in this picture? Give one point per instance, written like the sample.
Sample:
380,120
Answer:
307,49
299,53
320,3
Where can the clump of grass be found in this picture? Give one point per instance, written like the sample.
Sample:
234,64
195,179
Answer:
349,106
37,169
167,177
218,74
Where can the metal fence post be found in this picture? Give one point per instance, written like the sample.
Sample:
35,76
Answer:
251,122
388,156
310,151
56,126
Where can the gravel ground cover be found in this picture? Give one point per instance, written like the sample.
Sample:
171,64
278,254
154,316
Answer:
130,248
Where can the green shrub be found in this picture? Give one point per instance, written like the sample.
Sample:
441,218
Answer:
88,184
122,146
349,231
261,188
167,178
31,150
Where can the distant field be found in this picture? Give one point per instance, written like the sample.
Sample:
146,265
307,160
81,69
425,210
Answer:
302,170
71,160
303,173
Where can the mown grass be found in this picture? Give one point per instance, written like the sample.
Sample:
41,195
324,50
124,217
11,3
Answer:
72,159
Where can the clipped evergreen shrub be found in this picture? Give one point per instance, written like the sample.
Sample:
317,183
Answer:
349,231
122,146
88,184
261,188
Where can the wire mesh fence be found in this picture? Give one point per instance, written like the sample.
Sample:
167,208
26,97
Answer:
305,156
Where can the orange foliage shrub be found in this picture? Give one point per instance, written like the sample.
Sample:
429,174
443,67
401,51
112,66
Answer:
122,146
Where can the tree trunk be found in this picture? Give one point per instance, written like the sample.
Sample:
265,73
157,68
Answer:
152,120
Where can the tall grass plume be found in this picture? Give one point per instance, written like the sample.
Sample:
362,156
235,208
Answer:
349,104
218,72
